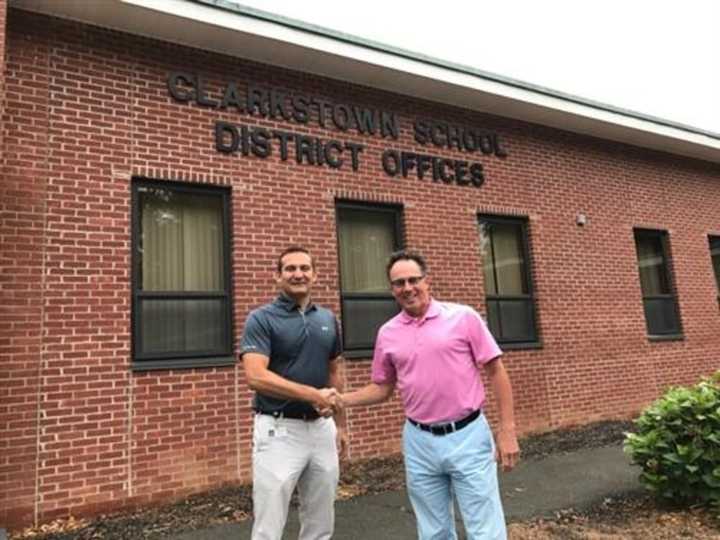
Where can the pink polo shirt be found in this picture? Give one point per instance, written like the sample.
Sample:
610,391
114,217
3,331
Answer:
434,361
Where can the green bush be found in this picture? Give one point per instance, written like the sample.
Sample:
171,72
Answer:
677,444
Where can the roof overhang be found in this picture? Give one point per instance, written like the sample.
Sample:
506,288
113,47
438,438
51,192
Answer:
217,25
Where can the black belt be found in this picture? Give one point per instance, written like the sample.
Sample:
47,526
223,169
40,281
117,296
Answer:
292,414
444,429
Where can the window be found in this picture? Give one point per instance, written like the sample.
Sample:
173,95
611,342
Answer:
661,309
367,235
715,257
508,287
181,276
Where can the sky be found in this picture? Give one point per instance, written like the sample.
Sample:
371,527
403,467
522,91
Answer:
656,57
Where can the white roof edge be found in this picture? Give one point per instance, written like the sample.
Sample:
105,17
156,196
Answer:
236,30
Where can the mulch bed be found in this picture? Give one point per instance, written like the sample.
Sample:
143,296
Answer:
632,517
384,474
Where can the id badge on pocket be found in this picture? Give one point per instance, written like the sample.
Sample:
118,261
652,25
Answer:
277,432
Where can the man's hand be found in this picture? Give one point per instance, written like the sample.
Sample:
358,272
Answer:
325,402
338,403
507,452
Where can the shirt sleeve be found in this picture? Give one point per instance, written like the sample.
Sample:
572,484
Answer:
256,335
482,343
383,370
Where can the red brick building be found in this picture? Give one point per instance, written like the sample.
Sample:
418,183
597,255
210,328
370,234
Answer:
157,156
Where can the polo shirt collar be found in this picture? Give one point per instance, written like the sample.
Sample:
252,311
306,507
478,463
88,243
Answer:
432,312
289,304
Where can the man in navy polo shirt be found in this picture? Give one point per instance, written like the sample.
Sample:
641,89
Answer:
291,352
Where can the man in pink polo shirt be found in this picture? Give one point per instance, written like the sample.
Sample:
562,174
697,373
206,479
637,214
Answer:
433,351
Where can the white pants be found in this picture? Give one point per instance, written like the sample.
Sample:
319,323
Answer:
289,453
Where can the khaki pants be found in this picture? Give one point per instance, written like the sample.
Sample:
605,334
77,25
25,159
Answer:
289,453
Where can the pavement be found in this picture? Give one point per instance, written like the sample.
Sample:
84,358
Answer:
535,488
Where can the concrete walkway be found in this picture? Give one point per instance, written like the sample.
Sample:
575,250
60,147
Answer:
534,488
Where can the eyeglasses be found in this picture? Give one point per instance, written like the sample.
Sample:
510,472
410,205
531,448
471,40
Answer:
412,281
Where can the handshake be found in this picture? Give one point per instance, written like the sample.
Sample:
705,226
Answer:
328,402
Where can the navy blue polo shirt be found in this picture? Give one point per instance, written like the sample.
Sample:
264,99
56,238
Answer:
300,345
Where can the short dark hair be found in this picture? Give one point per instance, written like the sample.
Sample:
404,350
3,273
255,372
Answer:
406,255
293,249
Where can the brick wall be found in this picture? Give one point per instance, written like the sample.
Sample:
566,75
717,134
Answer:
88,109
22,199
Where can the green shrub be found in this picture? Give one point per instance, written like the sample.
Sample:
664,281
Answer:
677,444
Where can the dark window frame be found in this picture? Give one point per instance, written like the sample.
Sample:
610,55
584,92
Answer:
174,360
714,241
664,238
399,241
529,298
